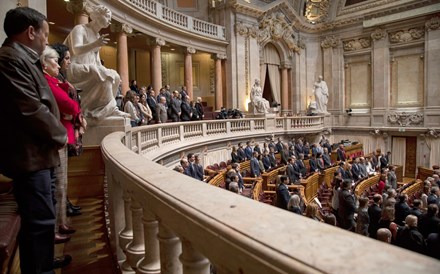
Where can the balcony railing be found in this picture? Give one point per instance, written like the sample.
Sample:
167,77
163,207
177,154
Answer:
164,222
180,20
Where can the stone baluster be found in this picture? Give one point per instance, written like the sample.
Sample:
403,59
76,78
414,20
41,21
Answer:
135,249
170,249
192,260
126,234
151,262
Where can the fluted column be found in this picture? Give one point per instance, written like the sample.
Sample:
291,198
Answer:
77,7
188,71
156,64
126,234
122,54
381,68
219,81
170,249
151,262
135,249
192,260
432,59
332,73
284,89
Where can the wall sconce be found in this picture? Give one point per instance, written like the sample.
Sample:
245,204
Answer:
348,111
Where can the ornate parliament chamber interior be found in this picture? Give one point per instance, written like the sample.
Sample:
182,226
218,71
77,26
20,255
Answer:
348,90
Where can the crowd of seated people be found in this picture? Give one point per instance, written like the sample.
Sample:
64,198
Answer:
386,214
145,107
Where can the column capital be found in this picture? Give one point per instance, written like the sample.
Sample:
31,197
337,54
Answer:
220,56
378,34
158,42
121,27
329,42
77,6
433,23
190,50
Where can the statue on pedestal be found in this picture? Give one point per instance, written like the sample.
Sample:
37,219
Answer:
99,84
260,104
321,95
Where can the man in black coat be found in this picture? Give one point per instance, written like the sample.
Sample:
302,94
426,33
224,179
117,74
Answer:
283,195
409,237
402,209
175,107
347,206
292,171
186,110
375,212
429,221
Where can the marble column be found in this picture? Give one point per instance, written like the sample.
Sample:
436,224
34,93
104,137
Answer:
284,89
77,7
188,71
381,68
432,59
122,53
156,64
219,81
332,72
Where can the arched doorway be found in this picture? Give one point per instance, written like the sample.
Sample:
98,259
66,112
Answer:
270,74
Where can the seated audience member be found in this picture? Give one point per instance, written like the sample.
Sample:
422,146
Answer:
384,235
429,221
363,219
375,212
282,191
433,244
409,237
294,204
402,209
312,212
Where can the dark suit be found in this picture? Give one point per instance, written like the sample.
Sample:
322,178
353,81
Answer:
272,145
152,104
347,207
175,109
255,167
266,162
284,156
313,165
301,167
341,155
375,212
402,210
292,173
428,224
356,172
198,172
273,160
248,151
186,111
298,149
283,196
279,146
241,154
327,160
383,162
235,158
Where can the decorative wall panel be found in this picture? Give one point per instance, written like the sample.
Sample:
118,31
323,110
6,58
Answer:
407,76
358,84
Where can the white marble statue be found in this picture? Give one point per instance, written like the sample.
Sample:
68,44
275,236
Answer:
99,84
321,95
260,104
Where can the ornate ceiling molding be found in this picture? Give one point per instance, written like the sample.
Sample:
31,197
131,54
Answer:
406,35
405,119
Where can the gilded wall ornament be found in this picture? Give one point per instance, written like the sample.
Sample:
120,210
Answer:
378,34
329,42
357,44
433,23
405,118
403,36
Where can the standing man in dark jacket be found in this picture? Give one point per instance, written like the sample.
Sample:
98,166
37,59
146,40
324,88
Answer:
375,212
347,206
283,195
29,150
175,107
186,109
